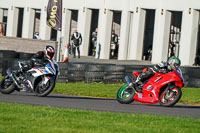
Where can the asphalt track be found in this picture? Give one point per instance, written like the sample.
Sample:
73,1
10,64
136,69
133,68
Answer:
100,104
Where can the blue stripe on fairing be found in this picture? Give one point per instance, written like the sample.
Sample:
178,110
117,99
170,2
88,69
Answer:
49,65
45,71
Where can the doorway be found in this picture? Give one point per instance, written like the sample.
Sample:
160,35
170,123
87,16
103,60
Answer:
36,22
148,34
73,23
20,22
3,22
175,34
197,58
115,34
93,32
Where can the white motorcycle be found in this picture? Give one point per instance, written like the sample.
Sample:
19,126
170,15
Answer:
40,80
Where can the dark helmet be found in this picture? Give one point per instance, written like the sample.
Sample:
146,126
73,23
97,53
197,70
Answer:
174,62
49,51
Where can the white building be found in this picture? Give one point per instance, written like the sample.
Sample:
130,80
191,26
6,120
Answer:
141,24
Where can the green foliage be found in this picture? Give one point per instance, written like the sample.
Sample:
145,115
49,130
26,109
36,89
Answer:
17,118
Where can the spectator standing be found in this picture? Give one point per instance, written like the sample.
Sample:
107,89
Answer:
94,41
114,43
1,30
197,61
172,46
76,42
36,35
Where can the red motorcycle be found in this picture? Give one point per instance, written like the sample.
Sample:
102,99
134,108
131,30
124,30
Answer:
161,88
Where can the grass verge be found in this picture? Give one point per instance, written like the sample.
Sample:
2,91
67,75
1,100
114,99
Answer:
189,95
26,118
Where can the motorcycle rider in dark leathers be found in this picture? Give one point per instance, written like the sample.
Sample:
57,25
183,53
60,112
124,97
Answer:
163,67
39,59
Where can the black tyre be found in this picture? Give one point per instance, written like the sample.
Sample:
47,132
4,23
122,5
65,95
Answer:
170,97
194,82
94,68
63,72
62,80
7,86
76,67
94,75
110,77
42,90
125,95
114,68
63,65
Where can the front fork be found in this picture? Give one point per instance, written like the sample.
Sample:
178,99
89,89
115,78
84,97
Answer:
129,81
45,79
10,74
136,88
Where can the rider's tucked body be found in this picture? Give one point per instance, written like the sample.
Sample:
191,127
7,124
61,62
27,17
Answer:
163,67
39,59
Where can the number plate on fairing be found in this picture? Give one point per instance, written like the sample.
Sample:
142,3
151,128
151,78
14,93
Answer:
139,95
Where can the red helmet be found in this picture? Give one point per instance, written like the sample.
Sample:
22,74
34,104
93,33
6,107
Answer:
49,51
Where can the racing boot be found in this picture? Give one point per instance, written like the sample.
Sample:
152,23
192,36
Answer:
138,84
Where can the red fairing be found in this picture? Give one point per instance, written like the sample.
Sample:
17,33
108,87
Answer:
151,89
136,74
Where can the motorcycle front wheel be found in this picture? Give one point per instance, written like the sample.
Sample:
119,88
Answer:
43,90
7,85
170,97
125,95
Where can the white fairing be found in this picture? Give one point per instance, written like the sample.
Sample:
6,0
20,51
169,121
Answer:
51,68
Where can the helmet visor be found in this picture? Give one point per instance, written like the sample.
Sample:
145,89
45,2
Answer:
50,54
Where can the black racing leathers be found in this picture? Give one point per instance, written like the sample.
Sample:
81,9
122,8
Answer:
160,68
37,60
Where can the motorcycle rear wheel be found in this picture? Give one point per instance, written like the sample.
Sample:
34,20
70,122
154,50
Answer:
170,96
7,86
125,95
42,91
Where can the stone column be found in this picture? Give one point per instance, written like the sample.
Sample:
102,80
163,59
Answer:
66,23
12,25
84,27
124,35
104,33
161,36
28,23
189,32
1,15
136,48
45,30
